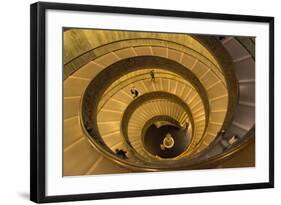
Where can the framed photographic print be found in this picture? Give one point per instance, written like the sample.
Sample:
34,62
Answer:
129,102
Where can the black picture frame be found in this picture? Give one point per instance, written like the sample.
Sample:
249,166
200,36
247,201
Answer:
38,101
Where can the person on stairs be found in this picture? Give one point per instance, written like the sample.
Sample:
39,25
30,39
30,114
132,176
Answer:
134,92
121,153
152,76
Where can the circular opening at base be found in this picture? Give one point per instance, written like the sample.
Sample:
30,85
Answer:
166,140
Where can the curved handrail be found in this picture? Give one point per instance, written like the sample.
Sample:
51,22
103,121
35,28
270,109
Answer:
140,77
127,113
184,49
192,163
216,156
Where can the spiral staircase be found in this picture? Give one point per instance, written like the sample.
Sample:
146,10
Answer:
190,86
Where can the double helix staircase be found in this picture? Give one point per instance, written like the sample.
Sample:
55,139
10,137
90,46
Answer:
101,115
